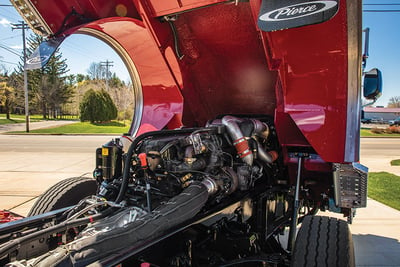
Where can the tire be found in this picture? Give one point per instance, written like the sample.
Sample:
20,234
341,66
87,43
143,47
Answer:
63,194
323,241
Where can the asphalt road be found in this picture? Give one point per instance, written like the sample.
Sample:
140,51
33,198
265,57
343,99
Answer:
53,143
376,153
29,164
377,147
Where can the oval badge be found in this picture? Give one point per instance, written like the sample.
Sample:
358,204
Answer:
298,10
37,60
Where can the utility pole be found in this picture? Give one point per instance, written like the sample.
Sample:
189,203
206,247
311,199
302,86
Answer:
107,64
22,26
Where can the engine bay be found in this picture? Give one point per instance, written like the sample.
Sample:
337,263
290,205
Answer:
218,195
207,182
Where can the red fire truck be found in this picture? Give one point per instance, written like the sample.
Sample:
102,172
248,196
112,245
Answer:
246,124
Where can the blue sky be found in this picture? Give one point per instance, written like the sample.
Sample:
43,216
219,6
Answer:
81,50
384,52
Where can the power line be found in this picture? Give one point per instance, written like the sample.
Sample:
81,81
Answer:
382,10
10,37
8,62
10,50
392,4
107,64
9,15
74,49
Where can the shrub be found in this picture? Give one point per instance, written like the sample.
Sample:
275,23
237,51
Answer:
393,129
97,106
125,115
377,130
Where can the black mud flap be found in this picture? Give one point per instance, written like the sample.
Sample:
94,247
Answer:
285,14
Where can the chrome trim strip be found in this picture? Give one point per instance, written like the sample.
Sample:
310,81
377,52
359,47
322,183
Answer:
136,84
354,35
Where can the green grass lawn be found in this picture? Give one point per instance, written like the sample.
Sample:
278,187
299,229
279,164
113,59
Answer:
395,162
368,133
18,118
15,118
113,127
385,188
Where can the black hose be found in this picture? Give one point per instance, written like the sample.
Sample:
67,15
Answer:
11,245
246,261
131,151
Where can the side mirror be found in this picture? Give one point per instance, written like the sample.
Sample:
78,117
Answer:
372,88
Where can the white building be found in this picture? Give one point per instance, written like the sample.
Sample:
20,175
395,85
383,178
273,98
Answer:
385,113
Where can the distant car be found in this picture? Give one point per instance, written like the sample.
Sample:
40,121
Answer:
377,120
395,121
366,120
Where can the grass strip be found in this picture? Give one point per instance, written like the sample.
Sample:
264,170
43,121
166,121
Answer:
385,188
395,162
15,118
87,128
368,133
113,127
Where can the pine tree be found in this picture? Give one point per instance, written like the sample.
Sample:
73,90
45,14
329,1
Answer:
48,87
97,106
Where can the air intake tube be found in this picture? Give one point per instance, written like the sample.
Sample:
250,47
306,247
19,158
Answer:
239,140
255,127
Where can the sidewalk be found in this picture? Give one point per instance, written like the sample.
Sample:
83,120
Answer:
4,128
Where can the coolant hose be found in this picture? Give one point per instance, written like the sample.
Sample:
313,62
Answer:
131,151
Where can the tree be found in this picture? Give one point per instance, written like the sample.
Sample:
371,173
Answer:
96,71
81,78
121,93
115,81
49,86
6,98
394,102
97,106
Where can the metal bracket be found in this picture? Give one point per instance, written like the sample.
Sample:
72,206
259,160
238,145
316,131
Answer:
350,184
296,202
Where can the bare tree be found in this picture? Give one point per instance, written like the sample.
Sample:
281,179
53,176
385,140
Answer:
394,102
96,71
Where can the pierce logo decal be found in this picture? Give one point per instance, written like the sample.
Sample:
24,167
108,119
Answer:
298,10
36,60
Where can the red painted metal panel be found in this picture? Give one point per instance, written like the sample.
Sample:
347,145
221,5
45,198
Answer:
162,101
58,14
313,70
223,66
160,8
